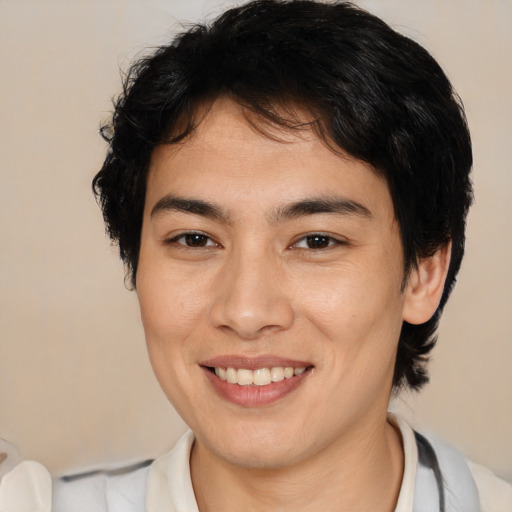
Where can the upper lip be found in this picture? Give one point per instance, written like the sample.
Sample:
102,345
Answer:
253,363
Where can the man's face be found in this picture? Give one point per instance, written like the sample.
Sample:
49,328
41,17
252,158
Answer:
264,254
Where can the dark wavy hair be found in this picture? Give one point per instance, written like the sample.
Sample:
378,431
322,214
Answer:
368,90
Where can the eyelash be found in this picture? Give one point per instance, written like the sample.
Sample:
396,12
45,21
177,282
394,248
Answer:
320,238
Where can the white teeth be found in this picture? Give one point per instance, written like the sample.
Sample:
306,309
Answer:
231,376
277,374
259,377
221,373
244,377
288,373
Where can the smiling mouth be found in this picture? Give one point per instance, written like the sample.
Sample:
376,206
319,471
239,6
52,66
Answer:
255,382
258,377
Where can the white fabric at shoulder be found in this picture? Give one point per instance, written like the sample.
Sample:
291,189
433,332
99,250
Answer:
460,490
102,491
26,488
495,494
169,483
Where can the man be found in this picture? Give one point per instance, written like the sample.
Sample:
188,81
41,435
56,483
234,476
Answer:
288,188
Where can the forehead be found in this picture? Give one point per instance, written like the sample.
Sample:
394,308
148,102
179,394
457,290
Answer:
234,155
224,122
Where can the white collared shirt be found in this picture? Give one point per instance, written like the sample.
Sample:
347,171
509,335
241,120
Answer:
166,485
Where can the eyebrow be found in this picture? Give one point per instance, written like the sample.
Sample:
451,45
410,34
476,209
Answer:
336,205
194,206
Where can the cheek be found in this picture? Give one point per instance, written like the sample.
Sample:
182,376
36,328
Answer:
170,302
339,299
359,315
170,308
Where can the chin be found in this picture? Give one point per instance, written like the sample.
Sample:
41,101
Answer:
257,457
268,447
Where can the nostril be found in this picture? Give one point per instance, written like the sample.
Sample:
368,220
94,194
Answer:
252,325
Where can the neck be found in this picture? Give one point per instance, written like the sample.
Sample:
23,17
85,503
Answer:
360,472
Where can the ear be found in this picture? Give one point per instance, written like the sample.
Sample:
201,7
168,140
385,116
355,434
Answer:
425,286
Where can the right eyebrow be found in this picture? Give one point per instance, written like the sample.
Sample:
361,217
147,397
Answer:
186,205
329,204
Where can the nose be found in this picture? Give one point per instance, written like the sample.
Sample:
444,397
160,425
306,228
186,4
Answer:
251,298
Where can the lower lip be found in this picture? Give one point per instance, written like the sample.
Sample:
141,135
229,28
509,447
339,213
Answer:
254,396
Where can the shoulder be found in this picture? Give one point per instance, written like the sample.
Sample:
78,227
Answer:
468,483
495,494
118,490
29,486
163,484
492,493
466,486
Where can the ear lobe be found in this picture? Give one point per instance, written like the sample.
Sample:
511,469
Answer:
425,286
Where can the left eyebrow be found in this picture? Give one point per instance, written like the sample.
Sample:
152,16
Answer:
193,206
336,205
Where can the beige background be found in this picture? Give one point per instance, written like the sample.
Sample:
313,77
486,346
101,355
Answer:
75,386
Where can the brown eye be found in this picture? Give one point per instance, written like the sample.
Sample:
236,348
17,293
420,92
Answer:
318,241
195,240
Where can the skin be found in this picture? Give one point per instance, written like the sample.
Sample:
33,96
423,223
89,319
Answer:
253,284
